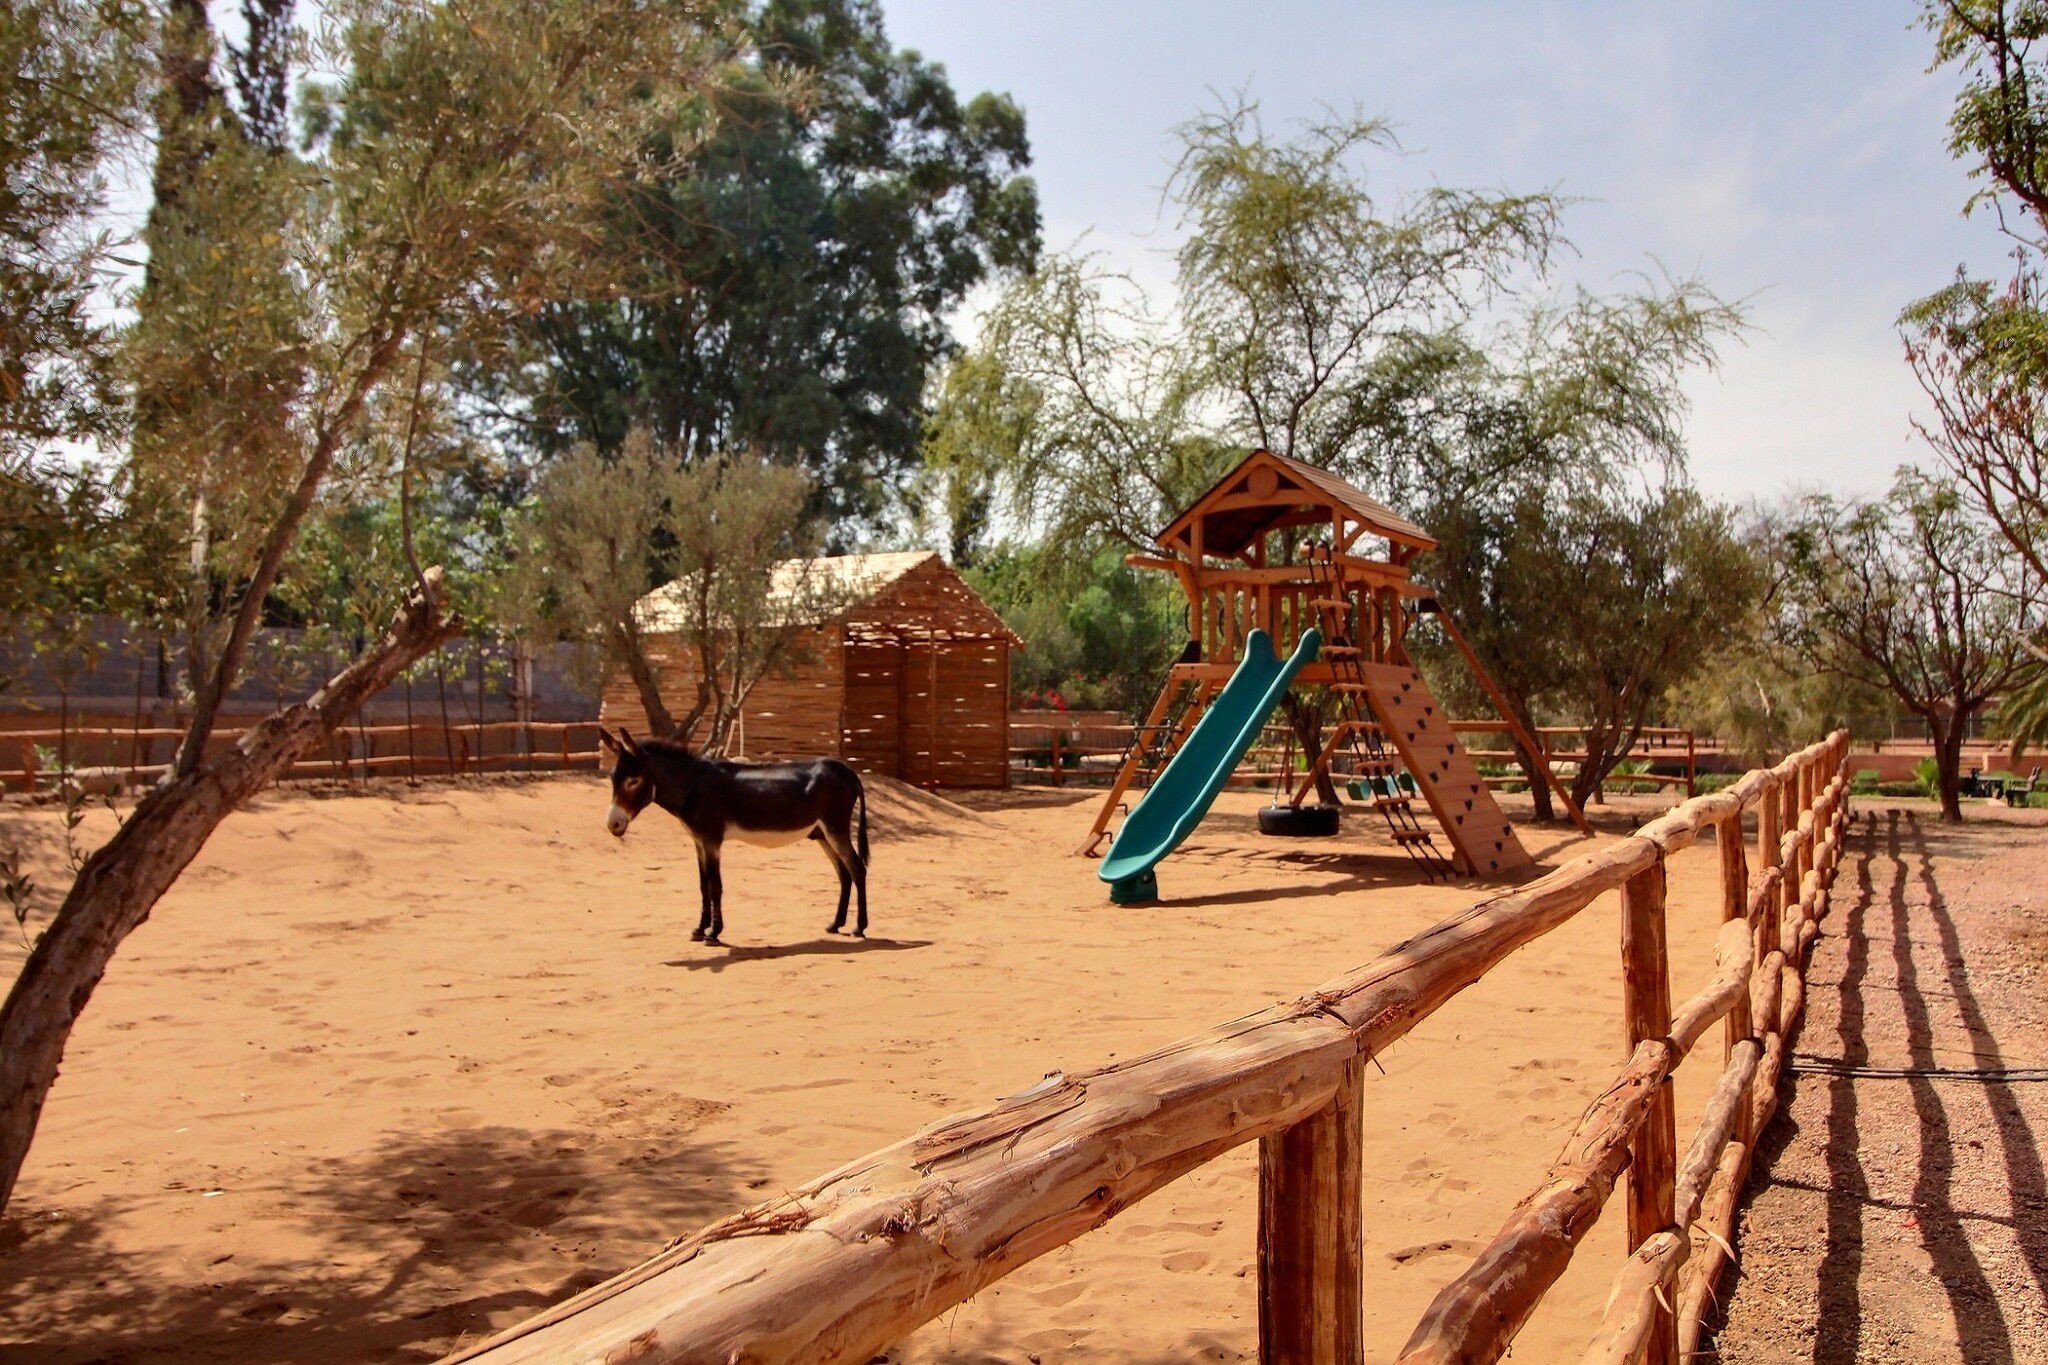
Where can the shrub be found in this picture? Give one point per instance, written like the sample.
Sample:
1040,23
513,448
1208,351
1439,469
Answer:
1865,782
1908,788
1927,775
1713,782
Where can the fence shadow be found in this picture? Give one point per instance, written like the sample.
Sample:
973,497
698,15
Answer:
426,1240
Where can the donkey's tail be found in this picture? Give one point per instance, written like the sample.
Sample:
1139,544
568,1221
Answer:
863,824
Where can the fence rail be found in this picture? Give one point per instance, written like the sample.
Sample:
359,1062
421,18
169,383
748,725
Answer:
532,746
846,1265
1656,743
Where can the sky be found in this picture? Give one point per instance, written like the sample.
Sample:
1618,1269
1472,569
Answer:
1792,155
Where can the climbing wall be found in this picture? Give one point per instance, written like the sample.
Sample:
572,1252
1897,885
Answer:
1482,837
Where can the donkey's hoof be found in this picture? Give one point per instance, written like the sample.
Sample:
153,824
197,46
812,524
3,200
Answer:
696,936
860,933
832,929
713,941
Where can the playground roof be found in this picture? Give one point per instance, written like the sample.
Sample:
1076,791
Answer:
1266,491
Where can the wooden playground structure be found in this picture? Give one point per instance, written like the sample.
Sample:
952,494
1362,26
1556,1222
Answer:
1284,547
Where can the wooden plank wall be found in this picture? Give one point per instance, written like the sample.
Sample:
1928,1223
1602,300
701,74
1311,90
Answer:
793,716
872,733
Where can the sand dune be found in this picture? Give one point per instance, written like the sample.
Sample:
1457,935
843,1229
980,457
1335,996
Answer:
389,1070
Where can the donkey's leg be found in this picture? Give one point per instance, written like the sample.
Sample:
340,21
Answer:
706,861
854,868
839,865
717,900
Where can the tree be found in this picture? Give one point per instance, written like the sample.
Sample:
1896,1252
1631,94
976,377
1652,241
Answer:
724,546
1913,593
1981,352
1302,300
72,92
457,166
1590,602
790,288
1560,464
1099,633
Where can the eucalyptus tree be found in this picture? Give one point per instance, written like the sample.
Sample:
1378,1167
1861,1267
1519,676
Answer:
787,290
457,167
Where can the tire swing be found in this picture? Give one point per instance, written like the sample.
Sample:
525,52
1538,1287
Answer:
1287,821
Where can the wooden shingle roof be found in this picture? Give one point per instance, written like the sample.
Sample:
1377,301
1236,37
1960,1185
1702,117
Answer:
1266,491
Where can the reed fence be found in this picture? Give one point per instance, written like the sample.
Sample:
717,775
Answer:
844,1266
420,749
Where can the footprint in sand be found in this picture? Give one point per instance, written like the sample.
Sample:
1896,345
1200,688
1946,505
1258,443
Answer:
1464,1248
1186,1262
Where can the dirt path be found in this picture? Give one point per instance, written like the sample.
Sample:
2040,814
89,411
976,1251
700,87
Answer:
1906,1217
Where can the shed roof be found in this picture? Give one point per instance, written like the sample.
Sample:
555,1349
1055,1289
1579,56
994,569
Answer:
1234,512
896,594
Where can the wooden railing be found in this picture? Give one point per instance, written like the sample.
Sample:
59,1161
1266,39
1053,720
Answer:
1046,758
427,748
1671,744
841,1268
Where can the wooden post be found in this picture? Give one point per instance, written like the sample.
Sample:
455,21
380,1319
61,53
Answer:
1692,768
1312,1234
1735,906
1646,1003
1057,780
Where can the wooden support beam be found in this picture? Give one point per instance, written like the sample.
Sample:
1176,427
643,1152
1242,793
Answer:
1646,1002
1312,1234
1514,725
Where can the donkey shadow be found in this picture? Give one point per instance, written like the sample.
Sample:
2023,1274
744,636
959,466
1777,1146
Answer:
816,947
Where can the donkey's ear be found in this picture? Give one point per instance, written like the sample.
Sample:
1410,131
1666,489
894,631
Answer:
626,742
604,737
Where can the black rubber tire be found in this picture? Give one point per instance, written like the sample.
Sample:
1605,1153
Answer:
1298,822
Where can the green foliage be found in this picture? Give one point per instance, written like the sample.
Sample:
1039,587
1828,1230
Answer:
788,289
1304,315
1914,593
72,91
1708,783
1896,789
1100,635
729,543
1927,773
1865,782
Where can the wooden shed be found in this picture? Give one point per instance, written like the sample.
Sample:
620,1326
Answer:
910,678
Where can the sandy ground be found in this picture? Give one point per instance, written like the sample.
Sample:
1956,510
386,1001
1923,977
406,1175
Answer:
390,1070
1907,1218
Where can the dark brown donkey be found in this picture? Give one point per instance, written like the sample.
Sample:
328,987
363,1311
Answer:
757,803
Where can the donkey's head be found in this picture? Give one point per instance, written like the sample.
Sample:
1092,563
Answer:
632,780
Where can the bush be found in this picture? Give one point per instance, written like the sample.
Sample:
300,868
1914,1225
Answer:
1865,782
1909,788
1927,776
1713,782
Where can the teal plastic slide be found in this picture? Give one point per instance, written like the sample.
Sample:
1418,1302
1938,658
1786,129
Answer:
1182,795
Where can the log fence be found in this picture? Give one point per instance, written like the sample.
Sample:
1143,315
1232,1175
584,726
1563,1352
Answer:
1051,743
843,1267
421,748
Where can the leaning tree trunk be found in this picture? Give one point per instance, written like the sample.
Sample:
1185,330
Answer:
628,646
1536,768
119,885
1948,763
1307,724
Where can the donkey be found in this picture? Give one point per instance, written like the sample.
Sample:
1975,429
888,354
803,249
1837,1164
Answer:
757,803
